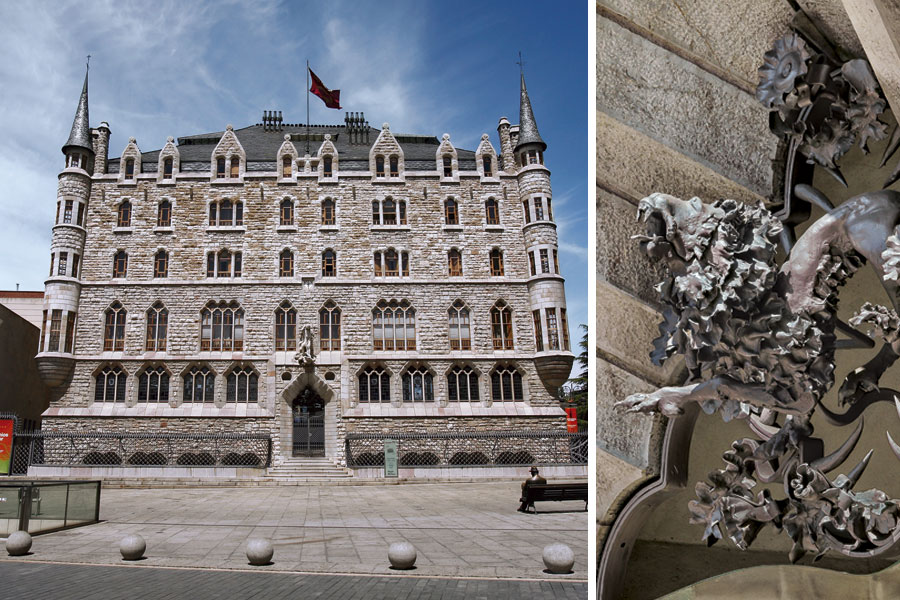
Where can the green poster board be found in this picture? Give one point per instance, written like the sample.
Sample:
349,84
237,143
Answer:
390,458
6,440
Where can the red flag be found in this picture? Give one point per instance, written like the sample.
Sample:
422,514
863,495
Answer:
332,98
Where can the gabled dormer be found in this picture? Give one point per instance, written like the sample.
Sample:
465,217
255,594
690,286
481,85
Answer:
287,160
386,157
229,161
169,162
486,160
130,163
447,161
328,160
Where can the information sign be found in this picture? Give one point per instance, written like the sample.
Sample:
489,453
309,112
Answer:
390,458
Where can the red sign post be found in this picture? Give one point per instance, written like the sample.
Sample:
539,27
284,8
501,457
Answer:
6,439
572,419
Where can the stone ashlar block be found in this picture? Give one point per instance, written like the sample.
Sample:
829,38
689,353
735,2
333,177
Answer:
627,436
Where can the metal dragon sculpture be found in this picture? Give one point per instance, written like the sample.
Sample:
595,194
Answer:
759,334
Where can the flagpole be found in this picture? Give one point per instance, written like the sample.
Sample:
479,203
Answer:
307,107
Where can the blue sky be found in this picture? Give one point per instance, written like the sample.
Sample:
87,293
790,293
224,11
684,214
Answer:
181,68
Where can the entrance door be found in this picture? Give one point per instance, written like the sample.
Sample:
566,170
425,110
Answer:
309,424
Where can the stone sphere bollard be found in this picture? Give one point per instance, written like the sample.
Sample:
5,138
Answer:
402,555
260,551
132,547
558,558
18,543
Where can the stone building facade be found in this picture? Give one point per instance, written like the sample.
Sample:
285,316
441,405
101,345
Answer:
186,284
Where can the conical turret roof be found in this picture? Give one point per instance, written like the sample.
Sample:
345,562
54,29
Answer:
528,130
81,127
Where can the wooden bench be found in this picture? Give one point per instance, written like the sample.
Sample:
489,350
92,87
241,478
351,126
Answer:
539,492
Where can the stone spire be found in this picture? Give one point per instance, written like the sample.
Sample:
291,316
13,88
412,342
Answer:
528,130
81,127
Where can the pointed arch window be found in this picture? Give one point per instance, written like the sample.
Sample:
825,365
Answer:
224,264
235,166
199,385
389,212
120,264
110,385
114,328
161,264
418,385
374,385
391,263
451,212
286,263
241,385
454,263
222,327
379,166
286,165
164,214
285,327
327,166
167,168
220,167
460,326
501,326
330,327
394,166
492,211
129,168
328,212
462,384
488,166
157,327
124,214
287,212
329,263
506,385
394,326
153,385
448,166
496,262
226,213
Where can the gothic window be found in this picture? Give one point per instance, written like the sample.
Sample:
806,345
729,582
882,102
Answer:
285,327
220,167
114,330
492,212
63,263
565,328
531,264
379,166
391,263
501,326
224,264
286,164
394,326
129,168
506,385
395,166
124,216
110,385
153,385
462,384
161,264
488,168
389,212
226,213
287,212
418,385
326,166
241,385
552,329
164,214
329,263
545,261
538,336
496,262
448,166
549,210
75,263
374,385
328,211
451,212
538,208
375,257
157,325
222,327
120,264
460,327
199,385
167,168
235,166
67,212
454,263
526,211
286,263
330,327
555,262
55,326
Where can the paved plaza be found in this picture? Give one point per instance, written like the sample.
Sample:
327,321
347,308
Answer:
462,530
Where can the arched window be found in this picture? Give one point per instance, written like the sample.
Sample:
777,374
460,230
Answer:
329,263
448,166
391,263
374,385
326,166
285,327
241,385
157,325
501,326
451,212
164,214
114,330
454,263
388,212
460,328
220,167
153,385
120,264
235,166
418,385
492,211
286,164
379,166
394,326
462,384
286,263
222,327
167,168
199,385
330,327
488,168
394,164
129,168
124,215
496,262
287,212
506,385
110,385
161,264
328,211
226,213
224,264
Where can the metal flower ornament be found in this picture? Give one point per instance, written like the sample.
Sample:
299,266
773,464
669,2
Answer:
759,333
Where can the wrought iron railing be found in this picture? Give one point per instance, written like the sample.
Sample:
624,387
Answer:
57,449
470,449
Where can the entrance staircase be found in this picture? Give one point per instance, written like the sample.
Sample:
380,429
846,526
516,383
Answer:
307,469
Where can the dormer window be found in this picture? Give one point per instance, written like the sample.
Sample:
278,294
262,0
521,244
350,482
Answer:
395,166
488,171
286,164
326,166
448,166
167,168
235,166
220,167
379,166
129,168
